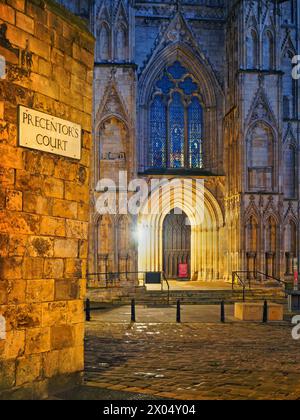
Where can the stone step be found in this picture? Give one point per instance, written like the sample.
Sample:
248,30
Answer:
205,297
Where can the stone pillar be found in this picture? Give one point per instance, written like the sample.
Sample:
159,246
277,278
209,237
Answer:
44,199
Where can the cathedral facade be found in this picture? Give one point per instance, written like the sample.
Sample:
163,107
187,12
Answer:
200,90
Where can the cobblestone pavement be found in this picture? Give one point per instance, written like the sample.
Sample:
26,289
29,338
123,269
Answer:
194,360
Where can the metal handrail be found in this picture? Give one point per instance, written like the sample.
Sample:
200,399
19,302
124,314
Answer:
271,277
166,280
236,274
243,284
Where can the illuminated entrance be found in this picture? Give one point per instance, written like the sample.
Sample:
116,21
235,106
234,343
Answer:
206,229
176,245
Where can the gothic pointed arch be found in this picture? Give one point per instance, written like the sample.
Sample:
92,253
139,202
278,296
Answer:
252,48
103,13
290,165
252,233
268,46
103,36
121,33
290,90
290,244
288,47
261,109
271,233
112,104
260,142
178,42
199,72
120,13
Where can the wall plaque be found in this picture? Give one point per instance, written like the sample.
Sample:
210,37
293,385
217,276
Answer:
44,132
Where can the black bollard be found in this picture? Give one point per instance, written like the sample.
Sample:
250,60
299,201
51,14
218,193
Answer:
178,312
265,312
223,311
133,310
88,310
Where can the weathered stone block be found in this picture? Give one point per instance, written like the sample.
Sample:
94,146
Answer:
16,291
76,192
22,316
253,311
21,223
17,4
39,246
65,170
79,331
10,268
76,229
52,226
35,203
67,289
71,360
65,209
37,340
28,369
62,336
65,248
24,22
40,291
26,181
8,375
74,268
75,312
17,245
54,313
7,177
7,13
50,363
13,157
14,344
3,292
14,200
54,188
53,268
33,268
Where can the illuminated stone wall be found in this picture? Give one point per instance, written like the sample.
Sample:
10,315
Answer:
46,63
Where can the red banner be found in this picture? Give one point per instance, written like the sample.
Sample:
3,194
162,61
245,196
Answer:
183,271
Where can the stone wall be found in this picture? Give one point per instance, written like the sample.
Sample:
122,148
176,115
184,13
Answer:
47,55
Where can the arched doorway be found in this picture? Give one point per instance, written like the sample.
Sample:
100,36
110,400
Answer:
176,244
207,230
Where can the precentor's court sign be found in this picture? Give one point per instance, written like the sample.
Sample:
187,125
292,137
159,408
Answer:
44,132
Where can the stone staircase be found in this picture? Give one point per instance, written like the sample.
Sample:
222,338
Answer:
192,297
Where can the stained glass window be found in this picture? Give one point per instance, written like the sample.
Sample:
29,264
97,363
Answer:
195,134
165,84
176,130
158,133
177,71
176,121
188,86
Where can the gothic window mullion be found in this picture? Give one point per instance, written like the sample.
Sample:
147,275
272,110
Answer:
168,140
186,138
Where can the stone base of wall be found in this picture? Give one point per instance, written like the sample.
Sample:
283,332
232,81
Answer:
40,390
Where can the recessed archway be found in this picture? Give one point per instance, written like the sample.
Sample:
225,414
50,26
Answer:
206,220
176,245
